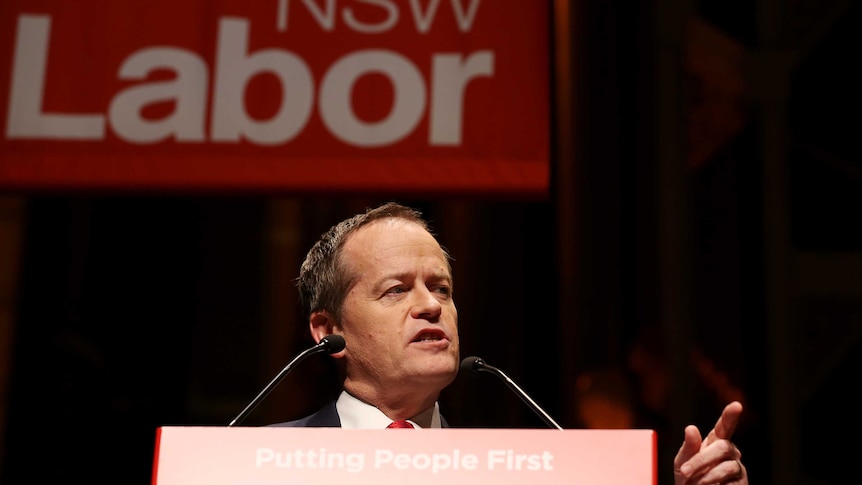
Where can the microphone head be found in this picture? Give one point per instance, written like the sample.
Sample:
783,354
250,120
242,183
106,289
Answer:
472,363
333,343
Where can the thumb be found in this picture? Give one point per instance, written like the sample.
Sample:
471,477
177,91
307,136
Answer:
691,444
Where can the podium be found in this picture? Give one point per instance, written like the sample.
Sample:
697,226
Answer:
208,455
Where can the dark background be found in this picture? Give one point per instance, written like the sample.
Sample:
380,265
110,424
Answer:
741,270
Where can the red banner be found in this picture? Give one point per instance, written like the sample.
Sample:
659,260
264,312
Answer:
296,95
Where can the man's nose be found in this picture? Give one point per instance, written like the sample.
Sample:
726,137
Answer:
426,305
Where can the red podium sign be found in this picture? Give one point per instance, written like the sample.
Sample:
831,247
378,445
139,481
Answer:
258,455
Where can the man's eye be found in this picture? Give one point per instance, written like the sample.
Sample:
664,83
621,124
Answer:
395,290
445,290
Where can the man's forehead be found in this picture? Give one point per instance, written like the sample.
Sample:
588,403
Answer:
385,238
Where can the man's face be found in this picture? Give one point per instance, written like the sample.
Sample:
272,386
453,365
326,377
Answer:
399,318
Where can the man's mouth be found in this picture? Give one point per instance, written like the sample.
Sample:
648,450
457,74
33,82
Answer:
429,336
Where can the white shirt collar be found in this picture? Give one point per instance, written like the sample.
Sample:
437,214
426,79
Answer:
355,414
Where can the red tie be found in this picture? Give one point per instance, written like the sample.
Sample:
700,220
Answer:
400,424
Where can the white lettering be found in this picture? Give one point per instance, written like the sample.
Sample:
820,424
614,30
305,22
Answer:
234,69
423,21
25,118
365,28
451,77
337,86
436,462
188,119
264,455
230,121
509,460
319,459
465,19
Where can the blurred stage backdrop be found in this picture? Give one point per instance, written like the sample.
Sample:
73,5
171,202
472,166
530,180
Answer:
653,210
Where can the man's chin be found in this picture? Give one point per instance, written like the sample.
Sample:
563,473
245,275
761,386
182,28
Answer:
441,373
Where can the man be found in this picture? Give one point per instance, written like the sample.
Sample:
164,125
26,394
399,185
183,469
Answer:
382,281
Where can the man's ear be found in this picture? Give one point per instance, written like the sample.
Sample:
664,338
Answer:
321,325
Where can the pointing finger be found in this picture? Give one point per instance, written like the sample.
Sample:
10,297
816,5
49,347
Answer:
726,424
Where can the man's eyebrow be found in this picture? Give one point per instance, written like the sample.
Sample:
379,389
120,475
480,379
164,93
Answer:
441,276
386,279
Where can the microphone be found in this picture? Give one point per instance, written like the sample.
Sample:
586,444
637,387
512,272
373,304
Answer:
476,364
331,344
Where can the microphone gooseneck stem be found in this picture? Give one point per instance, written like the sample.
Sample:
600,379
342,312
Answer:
482,366
269,387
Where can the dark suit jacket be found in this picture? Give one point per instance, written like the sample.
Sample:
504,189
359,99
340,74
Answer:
326,417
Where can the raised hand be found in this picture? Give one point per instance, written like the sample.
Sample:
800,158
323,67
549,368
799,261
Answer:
714,459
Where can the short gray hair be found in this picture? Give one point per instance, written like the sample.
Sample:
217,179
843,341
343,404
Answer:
324,278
